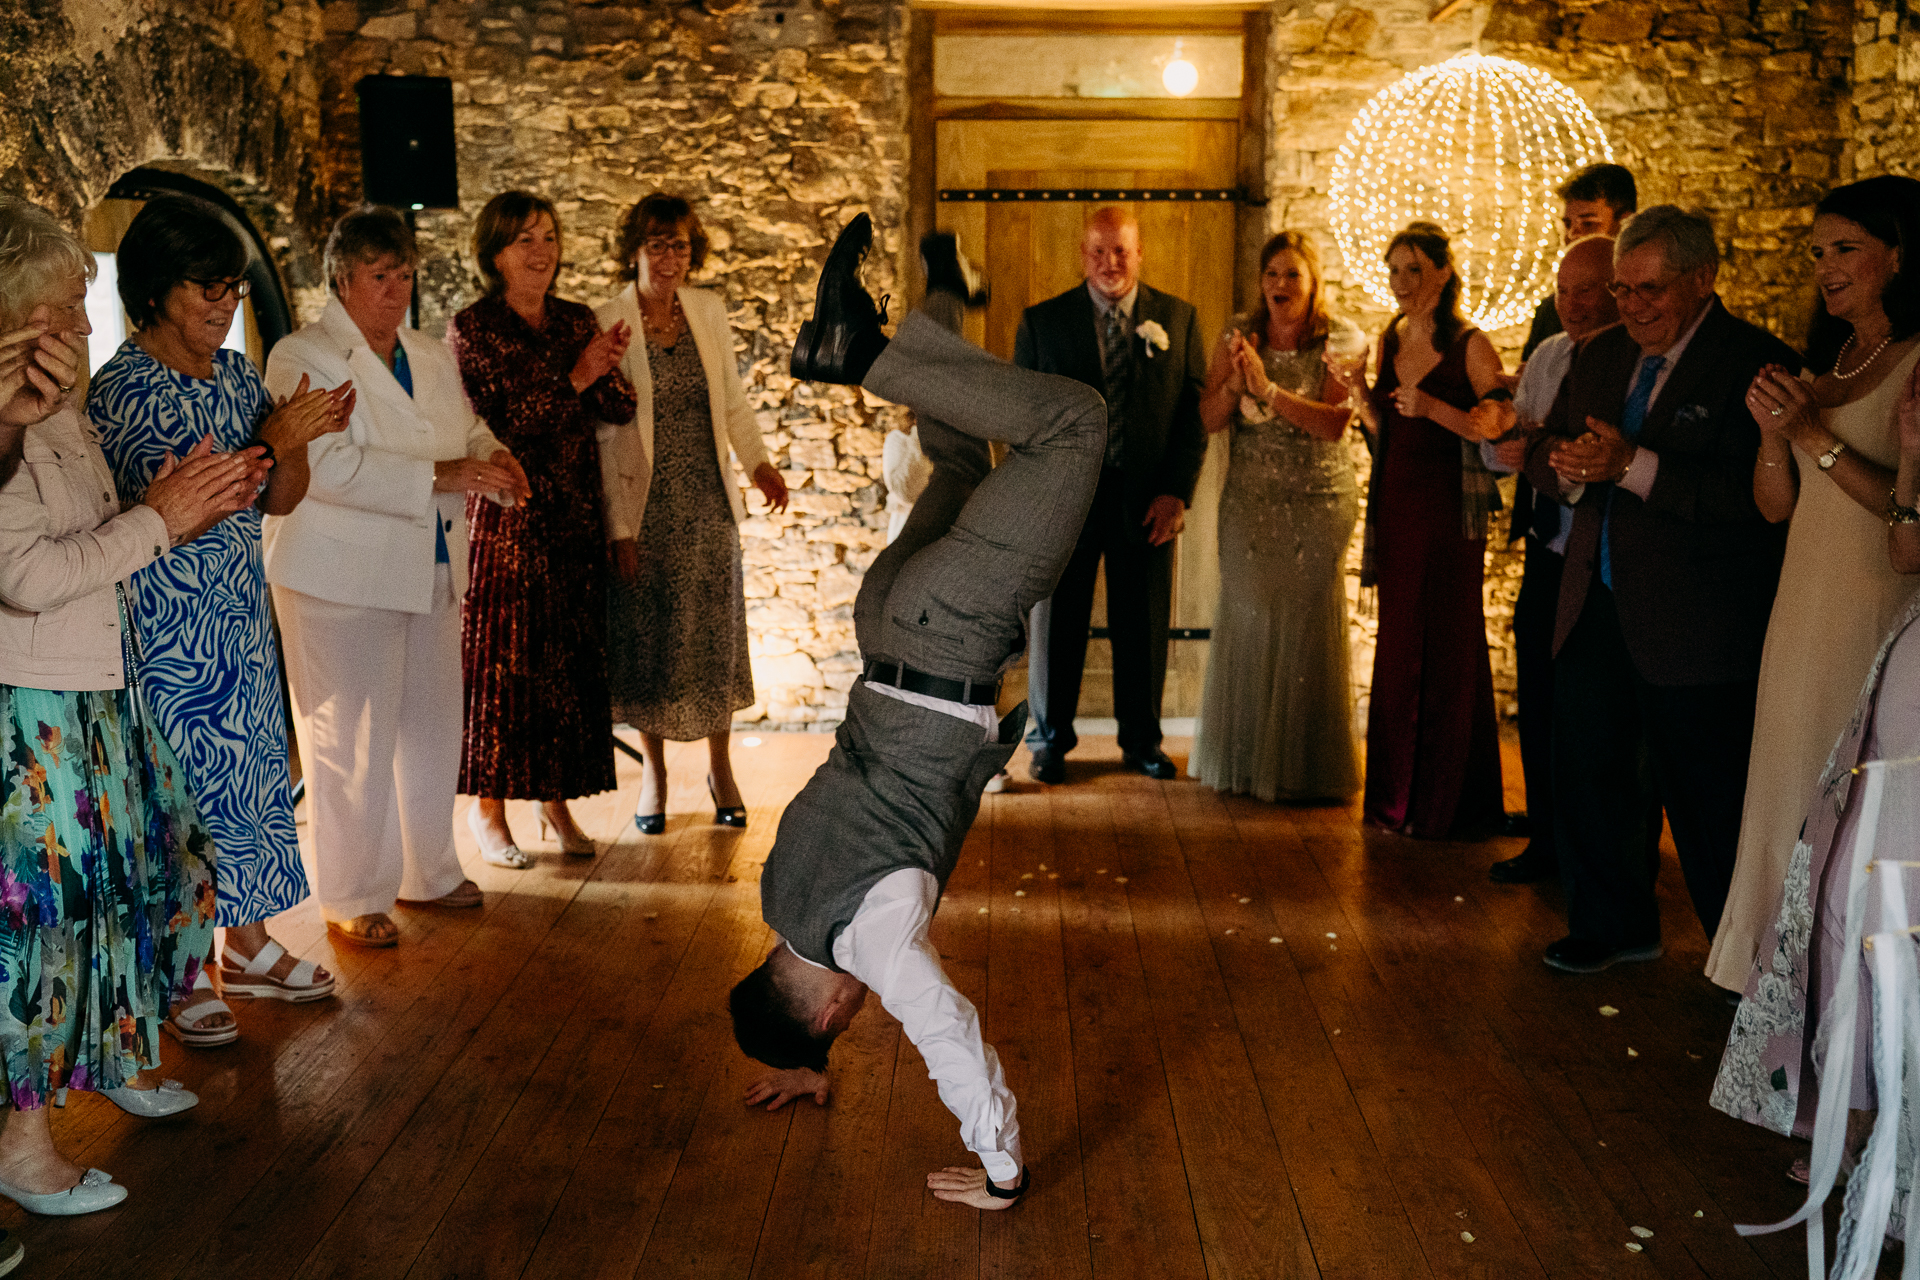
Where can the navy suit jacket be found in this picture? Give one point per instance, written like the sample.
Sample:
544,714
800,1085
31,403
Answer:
1695,564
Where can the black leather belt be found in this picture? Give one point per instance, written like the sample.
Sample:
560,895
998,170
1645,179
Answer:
976,693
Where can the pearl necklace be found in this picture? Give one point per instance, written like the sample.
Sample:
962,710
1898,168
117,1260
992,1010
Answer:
1862,368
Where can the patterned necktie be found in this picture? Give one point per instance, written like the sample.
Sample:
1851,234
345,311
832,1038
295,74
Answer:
1116,359
1632,418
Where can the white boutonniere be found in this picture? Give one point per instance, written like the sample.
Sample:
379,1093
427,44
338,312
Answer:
1150,332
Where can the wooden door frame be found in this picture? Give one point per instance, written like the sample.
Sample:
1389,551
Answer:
924,109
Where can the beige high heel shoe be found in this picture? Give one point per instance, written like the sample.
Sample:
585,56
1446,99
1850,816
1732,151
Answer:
581,848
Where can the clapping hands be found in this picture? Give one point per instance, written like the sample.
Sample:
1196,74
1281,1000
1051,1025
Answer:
37,370
1782,404
602,355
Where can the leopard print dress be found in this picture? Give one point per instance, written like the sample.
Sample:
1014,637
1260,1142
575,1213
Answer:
677,634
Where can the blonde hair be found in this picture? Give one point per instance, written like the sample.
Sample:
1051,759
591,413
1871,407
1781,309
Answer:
37,255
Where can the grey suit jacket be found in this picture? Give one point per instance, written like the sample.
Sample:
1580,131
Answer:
1166,442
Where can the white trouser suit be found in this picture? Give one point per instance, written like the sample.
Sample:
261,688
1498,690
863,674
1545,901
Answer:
370,623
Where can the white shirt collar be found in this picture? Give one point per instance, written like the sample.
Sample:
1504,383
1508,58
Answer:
1103,304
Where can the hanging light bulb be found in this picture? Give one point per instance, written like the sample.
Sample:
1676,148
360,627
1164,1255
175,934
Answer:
1181,76
1479,145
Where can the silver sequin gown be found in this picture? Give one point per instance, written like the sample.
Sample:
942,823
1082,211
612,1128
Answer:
1276,720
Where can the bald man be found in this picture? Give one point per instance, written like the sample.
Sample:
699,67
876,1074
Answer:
1140,349
1584,308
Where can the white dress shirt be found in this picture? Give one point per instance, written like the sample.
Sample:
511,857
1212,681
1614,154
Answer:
886,947
1540,382
1646,463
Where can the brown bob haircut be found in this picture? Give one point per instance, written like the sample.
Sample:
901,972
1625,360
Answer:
659,214
506,216
1302,244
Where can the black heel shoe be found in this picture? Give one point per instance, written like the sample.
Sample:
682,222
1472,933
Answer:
651,824
734,817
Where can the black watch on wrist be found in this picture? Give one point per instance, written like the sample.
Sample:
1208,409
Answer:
1026,1179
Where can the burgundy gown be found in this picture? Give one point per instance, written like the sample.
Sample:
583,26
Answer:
1433,744
533,636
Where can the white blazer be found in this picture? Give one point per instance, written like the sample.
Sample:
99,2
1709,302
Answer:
626,448
363,535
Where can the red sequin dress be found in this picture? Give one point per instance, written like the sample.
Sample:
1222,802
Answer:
533,635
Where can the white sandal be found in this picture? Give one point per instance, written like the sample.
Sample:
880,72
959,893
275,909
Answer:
180,1025
255,981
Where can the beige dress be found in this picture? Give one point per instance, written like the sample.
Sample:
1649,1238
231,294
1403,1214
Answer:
1838,595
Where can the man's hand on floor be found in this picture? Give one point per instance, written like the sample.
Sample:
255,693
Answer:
968,1187
784,1086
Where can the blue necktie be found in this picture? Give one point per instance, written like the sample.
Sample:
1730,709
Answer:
1631,419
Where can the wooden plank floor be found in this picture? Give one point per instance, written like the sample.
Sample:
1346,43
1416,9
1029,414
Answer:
1248,1041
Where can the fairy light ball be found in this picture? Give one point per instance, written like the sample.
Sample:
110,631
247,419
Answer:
1476,144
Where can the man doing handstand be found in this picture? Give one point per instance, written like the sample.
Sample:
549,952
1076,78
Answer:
865,849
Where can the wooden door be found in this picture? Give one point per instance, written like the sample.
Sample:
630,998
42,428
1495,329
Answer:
1031,251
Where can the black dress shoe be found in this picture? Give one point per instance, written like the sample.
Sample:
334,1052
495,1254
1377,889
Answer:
1584,955
1047,765
843,339
651,824
1154,765
732,816
949,270
1533,865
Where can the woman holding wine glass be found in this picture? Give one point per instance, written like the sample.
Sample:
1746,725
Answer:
1276,720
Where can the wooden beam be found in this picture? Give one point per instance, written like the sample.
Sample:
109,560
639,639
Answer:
1447,10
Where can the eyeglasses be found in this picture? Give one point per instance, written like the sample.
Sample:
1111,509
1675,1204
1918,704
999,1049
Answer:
661,248
1642,293
215,290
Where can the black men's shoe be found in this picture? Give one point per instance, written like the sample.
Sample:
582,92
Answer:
843,339
949,271
1154,765
1584,955
1532,866
1047,765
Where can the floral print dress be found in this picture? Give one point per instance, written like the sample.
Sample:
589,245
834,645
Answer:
106,888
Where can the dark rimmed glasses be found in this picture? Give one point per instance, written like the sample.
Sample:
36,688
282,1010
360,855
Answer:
215,290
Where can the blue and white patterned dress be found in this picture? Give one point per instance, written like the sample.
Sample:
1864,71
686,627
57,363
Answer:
211,668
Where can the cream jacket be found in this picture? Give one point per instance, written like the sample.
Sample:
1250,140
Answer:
64,543
626,448
363,535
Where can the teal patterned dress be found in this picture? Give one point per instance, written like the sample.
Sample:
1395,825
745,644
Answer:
106,888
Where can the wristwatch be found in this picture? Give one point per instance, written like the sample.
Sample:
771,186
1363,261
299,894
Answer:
1832,455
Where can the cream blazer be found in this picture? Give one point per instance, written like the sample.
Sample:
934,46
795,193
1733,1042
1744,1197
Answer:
363,535
64,543
626,448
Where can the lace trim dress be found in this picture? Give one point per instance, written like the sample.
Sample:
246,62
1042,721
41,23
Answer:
1276,718
677,635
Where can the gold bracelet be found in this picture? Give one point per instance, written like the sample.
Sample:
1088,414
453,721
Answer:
1897,513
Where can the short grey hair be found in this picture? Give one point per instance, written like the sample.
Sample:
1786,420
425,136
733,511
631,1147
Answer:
368,234
37,256
1685,238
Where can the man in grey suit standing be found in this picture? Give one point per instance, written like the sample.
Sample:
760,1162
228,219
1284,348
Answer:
863,852
1140,349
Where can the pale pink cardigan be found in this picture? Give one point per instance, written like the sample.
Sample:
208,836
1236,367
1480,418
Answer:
64,543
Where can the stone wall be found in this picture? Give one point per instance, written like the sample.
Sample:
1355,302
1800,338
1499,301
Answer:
779,123
782,118
224,89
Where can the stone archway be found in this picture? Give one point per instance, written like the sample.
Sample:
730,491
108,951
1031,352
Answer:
223,93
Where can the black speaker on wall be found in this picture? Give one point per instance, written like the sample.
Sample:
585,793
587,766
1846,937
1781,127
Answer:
406,142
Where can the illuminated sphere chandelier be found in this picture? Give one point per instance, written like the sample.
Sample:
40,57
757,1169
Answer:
1478,145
